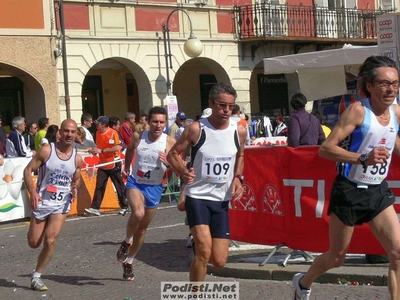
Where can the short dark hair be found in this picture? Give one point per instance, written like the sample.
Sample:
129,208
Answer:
279,117
112,121
368,72
298,101
30,125
221,88
86,117
157,110
42,122
319,116
236,110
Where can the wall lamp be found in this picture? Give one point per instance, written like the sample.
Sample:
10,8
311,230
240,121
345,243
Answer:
192,46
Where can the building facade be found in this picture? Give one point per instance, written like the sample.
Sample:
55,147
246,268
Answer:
106,57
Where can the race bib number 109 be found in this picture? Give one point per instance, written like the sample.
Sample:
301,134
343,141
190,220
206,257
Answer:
216,169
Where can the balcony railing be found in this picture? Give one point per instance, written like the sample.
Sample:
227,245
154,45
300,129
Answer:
306,22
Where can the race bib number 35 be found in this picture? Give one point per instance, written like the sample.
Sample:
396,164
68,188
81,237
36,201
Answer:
216,169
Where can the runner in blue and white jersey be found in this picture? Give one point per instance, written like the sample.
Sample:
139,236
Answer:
362,144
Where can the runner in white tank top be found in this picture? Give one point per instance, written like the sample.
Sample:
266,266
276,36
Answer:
215,177
54,184
143,188
58,183
148,168
214,170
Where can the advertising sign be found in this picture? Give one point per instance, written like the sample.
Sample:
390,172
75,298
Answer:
172,108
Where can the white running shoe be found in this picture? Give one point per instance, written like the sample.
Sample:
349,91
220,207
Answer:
37,284
189,241
93,211
300,294
124,211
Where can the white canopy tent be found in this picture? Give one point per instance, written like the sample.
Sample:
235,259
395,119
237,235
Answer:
320,74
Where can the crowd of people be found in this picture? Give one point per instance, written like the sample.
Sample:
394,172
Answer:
208,155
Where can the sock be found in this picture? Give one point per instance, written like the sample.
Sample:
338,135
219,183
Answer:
129,240
36,274
302,287
129,260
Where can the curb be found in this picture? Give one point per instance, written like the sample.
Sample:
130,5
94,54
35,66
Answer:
280,275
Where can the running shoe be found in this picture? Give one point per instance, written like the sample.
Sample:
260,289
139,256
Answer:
189,241
37,284
93,211
299,293
128,271
123,251
124,211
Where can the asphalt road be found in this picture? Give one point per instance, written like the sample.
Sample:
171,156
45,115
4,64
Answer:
85,266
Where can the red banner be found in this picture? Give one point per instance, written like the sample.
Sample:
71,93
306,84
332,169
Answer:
286,200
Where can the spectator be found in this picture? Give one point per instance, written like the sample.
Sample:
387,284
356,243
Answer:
304,128
3,138
86,123
206,113
52,135
43,124
115,124
320,117
281,128
29,136
179,120
126,129
236,116
181,129
15,145
108,144
81,143
144,120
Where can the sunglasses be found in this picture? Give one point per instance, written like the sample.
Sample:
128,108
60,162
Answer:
224,105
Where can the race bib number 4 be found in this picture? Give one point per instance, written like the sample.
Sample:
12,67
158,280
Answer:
216,169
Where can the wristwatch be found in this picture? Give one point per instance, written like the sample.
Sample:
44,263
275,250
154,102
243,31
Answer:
240,177
363,158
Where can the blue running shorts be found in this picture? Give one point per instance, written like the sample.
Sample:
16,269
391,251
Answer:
151,193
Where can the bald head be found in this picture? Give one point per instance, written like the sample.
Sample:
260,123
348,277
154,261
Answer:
68,131
68,122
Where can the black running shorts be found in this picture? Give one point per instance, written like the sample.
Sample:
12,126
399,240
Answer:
355,206
212,213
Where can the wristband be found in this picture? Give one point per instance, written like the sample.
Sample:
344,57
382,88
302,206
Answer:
102,150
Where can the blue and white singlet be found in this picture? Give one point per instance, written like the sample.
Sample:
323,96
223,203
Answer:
363,139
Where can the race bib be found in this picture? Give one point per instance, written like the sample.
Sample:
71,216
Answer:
58,193
216,169
371,174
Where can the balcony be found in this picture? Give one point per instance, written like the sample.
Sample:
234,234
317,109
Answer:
306,24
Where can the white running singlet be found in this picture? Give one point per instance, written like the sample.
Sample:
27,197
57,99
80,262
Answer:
55,177
149,169
213,159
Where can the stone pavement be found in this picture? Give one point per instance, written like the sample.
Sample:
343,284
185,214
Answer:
84,265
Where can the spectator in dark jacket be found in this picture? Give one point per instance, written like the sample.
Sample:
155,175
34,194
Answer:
304,128
29,136
15,145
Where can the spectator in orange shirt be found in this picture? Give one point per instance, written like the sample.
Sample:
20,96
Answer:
108,144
